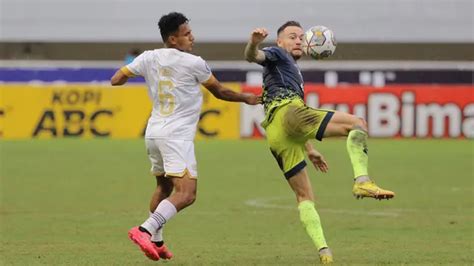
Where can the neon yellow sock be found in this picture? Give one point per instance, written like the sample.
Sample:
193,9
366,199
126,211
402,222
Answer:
311,222
358,152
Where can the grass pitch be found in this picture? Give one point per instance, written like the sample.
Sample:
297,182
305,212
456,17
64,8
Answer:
71,202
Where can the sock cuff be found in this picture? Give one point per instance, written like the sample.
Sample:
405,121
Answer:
166,209
157,236
167,204
305,205
358,131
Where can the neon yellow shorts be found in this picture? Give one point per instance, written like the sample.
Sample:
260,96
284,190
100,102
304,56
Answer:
288,127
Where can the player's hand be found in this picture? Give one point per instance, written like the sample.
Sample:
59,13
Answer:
318,161
253,99
258,35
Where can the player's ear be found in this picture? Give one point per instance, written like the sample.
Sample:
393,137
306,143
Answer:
279,39
172,40
279,42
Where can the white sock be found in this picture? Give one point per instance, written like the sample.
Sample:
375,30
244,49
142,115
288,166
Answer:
163,213
158,235
362,178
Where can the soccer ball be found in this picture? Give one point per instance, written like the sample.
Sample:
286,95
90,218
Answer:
319,42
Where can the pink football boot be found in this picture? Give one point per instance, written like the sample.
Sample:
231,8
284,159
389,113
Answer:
142,239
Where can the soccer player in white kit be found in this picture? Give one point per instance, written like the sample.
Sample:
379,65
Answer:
173,78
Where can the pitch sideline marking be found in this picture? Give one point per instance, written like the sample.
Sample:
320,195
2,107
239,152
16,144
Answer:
266,203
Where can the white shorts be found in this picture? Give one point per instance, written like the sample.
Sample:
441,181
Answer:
171,157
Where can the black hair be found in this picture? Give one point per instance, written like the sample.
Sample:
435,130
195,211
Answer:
288,24
169,24
135,51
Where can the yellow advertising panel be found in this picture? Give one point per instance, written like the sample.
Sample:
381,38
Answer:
88,111
219,119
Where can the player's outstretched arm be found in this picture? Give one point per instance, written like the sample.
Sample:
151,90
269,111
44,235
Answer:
223,93
252,53
316,158
119,78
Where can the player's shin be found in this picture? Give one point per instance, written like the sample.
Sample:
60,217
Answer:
358,152
311,222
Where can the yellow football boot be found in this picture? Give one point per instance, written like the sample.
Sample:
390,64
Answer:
326,259
369,189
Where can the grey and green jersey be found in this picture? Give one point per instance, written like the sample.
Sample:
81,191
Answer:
282,79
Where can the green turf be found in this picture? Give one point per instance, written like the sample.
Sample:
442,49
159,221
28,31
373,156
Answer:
71,202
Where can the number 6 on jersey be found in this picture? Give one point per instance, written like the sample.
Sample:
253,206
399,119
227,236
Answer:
165,97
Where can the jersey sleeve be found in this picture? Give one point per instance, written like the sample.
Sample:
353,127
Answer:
137,66
202,71
272,54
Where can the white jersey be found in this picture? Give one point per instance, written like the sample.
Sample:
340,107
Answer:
173,78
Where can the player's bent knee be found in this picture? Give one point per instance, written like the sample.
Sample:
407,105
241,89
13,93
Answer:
188,198
360,124
183,199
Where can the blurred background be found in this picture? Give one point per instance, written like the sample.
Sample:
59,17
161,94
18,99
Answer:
107,29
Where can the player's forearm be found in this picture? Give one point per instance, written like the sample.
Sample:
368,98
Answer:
231,96
250,52
253,54
119,78
118,82
309,147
